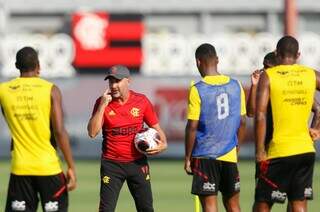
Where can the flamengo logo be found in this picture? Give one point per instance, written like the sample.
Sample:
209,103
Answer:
102,40
51,206
209,186
279,196
90,31
18,205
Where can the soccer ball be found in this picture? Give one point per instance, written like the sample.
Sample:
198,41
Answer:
146,139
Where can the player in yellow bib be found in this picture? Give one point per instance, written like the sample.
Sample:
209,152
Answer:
286,169
32,109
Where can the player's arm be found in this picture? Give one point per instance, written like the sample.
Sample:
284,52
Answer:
251,103
194,105
263,94
162,143
190,137
243,112
316,114
317,80
96,120
241,132
242,128
61,135
315,127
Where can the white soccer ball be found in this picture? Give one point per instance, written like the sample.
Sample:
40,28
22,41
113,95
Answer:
146,140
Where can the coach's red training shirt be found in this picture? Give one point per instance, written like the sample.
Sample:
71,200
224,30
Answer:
121,123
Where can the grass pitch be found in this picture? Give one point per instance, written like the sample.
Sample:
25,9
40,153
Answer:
170,185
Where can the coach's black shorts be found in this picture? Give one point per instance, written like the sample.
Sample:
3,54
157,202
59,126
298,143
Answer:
136,173
290,177
211,176
23,192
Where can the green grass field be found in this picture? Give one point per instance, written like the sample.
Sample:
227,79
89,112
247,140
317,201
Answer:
171,188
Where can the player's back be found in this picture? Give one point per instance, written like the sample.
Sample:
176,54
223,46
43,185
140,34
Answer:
26,103
219,117
291,92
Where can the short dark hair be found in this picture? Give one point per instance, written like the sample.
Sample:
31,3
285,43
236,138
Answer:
27,59
287,46
205,51
270,59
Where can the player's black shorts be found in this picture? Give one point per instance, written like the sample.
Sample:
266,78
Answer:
23,192
136,173
211,176
290,177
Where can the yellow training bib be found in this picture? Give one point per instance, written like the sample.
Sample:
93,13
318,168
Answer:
292,90
26,104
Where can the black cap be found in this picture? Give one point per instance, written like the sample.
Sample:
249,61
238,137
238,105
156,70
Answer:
118,72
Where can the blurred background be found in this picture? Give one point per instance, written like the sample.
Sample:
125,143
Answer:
78,40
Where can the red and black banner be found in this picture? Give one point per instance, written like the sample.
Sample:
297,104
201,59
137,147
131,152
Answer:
102,40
